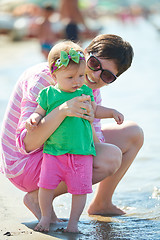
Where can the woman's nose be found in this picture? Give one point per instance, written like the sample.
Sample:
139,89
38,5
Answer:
97,74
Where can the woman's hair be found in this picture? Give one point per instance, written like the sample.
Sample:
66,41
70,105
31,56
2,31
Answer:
113,47
64,45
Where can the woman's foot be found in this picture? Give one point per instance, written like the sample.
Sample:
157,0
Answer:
31,202
106,210
54,218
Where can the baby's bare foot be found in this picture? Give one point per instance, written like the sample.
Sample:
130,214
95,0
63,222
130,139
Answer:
31,202
43,225
72,228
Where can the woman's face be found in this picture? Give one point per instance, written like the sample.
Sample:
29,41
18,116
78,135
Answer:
92,78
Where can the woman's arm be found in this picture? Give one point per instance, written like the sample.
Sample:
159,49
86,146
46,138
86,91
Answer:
76,107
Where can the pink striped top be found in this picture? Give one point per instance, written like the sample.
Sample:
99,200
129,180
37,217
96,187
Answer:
21,105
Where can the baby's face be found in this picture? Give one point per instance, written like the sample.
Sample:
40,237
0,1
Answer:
70,78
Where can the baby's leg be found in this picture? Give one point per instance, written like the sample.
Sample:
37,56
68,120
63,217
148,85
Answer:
78,203
45,202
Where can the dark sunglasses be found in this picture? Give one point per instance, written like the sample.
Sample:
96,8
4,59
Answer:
94,64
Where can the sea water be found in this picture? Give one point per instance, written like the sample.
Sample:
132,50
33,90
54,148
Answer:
136,95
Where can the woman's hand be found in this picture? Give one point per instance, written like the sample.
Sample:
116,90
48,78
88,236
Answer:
78,107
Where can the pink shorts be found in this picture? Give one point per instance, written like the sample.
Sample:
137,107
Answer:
74,170
29,179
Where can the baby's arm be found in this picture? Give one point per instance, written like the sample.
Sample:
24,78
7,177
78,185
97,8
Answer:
103,112
35,118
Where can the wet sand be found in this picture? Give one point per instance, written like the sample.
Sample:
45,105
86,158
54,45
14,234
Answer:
16,222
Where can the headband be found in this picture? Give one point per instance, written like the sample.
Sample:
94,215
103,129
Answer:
65,58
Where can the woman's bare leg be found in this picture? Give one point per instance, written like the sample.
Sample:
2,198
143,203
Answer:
129,138
107,161
31,202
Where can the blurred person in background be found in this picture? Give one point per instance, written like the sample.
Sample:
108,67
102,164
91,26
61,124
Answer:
71,17
45,31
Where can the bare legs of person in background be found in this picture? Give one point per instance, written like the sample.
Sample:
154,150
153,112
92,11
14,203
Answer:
124,141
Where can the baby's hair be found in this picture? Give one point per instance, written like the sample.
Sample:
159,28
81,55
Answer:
64,45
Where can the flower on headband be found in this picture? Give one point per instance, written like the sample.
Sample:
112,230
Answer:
65,58
72,55
58,61
81,55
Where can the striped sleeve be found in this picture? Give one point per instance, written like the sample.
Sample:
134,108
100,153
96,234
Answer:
21,105
97,122
30,90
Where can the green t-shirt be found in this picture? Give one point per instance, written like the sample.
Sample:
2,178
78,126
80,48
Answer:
74,135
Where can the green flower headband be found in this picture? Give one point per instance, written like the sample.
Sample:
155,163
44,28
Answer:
65,58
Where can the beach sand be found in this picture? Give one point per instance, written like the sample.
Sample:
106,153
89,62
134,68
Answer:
16,222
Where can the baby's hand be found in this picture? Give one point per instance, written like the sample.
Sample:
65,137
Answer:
118,117
32,122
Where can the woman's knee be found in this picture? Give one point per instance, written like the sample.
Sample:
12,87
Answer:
109,158
135,133
115,160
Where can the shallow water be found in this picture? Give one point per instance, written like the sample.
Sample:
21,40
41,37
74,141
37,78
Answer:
136,95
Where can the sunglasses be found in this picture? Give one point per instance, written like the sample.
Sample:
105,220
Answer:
94,64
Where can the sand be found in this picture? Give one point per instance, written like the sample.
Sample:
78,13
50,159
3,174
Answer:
16,222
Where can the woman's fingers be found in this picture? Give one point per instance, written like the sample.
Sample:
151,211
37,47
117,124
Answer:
78,107
84,116
84,102
83,98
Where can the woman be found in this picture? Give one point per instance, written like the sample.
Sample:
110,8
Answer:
108,56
